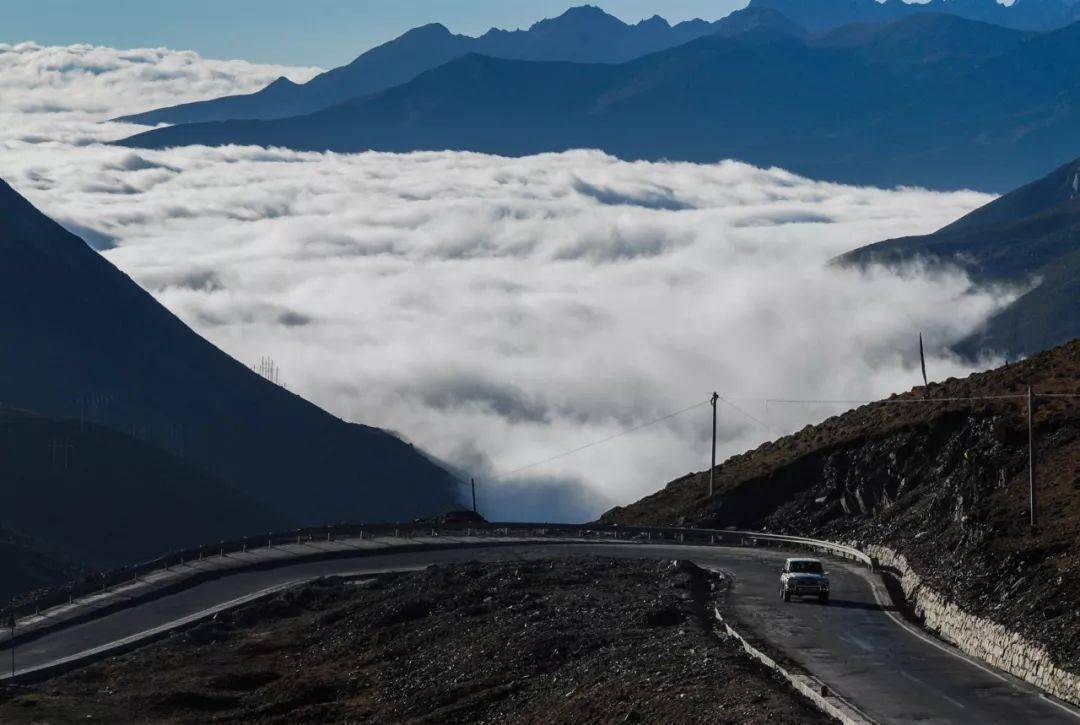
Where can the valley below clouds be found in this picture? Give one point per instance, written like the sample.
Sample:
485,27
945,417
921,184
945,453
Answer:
496,311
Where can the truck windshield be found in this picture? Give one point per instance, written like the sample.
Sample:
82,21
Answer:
806,567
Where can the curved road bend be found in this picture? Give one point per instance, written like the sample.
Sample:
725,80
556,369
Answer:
854,644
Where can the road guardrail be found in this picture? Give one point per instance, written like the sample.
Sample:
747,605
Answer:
103,581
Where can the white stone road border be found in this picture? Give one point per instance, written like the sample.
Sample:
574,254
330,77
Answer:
985,644
813,689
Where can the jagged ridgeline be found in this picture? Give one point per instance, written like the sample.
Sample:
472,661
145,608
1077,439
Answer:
924,98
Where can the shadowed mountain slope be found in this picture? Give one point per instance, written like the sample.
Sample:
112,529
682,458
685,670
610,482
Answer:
1030,237
96,498
930,100
25,567
80,336
583,34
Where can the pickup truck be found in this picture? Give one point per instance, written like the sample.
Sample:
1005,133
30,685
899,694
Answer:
804,578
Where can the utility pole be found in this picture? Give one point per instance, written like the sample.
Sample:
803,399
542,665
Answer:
922,361
712,468
473,482
1031,458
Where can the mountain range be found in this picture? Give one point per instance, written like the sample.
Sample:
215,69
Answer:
583,34
82,341
932,100
1028,238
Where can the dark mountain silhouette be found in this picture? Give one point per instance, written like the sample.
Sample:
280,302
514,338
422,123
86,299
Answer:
80,338
820,15
583,35
100,498
1030,236
931,100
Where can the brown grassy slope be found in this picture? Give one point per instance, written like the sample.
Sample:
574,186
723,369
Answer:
943,482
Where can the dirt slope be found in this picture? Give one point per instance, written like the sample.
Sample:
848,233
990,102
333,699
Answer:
945,483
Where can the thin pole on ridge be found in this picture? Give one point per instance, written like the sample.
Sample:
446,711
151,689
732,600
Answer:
712,468
1032,502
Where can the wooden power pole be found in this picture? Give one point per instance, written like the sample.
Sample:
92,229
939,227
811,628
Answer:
1031,458
473,482
712,468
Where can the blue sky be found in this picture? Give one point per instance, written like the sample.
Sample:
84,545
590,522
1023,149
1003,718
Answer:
301,32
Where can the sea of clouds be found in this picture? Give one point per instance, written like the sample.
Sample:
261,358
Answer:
495,311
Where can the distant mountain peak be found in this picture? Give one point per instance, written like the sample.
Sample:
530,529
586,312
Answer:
281,82
654,22
580,15
431,29
585,11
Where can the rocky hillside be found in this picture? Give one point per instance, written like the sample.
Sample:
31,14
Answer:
944,482
582,640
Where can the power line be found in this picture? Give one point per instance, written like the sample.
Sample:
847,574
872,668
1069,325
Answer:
757,420
602,440
792,401
899,401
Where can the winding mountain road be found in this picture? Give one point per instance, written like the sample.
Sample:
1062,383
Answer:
863,650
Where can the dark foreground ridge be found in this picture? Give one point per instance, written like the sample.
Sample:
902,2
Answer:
944,483
581,639
85,497
81,340
28,565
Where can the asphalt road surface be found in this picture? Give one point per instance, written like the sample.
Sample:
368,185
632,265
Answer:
889,671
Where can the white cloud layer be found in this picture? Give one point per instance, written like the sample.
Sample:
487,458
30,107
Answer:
498,311
60,93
